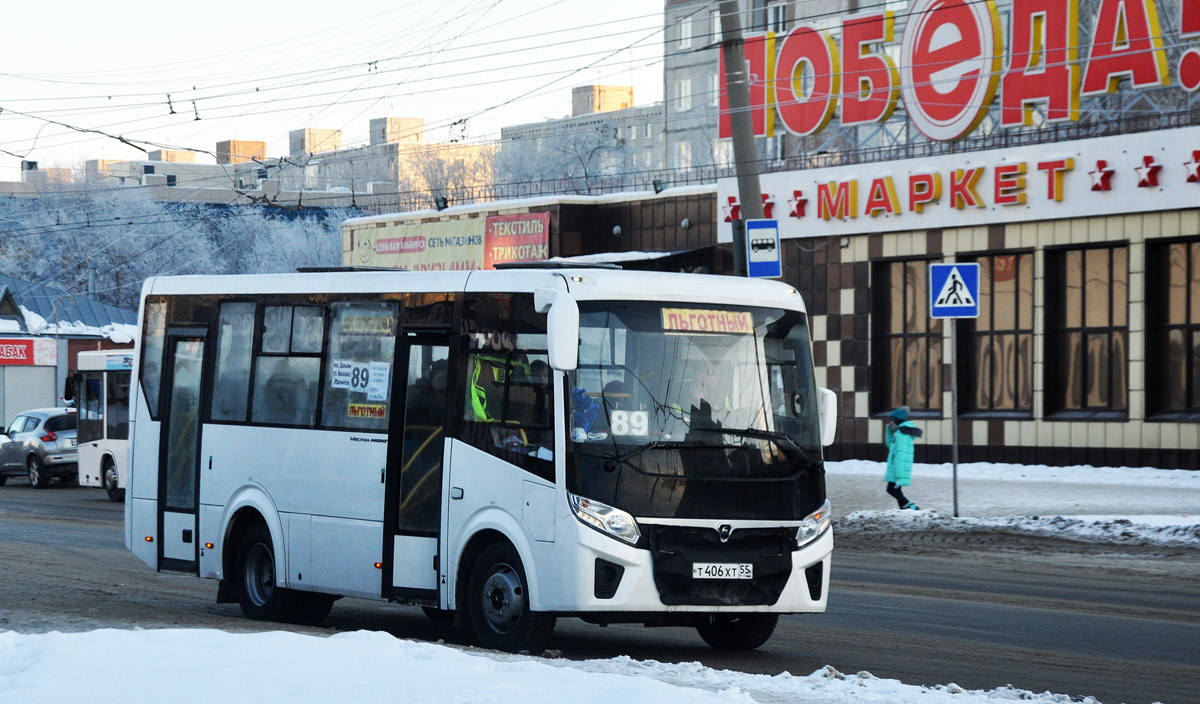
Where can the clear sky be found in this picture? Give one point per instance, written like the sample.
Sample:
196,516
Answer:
255,70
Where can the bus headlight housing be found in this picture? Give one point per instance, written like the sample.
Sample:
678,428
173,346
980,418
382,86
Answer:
605,518
814,524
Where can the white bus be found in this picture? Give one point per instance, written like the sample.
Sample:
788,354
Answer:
102,399
506,446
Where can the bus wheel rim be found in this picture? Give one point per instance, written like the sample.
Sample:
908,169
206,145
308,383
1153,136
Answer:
503,599
260,574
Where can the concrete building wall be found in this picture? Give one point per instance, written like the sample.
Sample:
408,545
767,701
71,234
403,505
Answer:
312,140
179,156
240,151
388,130
600,98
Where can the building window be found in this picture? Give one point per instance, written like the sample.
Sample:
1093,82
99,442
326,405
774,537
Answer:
683,155
649,131
723,152
714,23
685,32
998,374
777,18
683,94
1087,331
1173,327
908,341
714,95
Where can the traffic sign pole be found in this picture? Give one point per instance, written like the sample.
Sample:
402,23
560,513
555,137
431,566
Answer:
954,409
953,294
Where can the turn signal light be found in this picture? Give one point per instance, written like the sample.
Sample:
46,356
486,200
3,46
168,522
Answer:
208,546
149,539
378,565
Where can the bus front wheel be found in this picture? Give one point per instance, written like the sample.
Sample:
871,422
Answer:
736,631
498,603
259,594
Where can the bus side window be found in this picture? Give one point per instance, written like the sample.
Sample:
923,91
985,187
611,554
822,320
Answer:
235,341
287,370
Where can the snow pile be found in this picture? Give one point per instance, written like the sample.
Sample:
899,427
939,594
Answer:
205,666
1161,531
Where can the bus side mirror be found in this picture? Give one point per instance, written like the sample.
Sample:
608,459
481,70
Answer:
827,403
562,324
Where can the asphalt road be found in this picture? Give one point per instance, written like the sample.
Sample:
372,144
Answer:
1030,616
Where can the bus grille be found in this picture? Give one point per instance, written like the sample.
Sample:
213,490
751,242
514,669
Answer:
674,549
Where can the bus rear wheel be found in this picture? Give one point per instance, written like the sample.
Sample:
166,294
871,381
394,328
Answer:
736,631
498,603
259,594
112,483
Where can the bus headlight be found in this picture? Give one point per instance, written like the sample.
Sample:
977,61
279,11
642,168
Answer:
814,524
605,518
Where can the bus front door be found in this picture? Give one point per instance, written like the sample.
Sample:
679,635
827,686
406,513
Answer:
414,486
178,484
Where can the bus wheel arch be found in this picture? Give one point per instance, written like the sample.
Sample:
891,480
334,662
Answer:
494,592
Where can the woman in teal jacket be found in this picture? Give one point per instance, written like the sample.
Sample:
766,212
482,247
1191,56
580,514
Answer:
899,436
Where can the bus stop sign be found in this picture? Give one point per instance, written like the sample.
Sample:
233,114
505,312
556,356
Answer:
762,249
954,290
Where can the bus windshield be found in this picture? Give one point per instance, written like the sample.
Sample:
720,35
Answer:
695,411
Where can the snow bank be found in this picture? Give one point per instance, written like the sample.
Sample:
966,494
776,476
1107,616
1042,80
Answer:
204,666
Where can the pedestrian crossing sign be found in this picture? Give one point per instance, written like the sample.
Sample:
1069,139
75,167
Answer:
954,290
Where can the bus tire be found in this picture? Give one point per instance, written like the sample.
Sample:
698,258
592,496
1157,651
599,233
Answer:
442,617
260,597
736,631
38,478
310,608
112,482
498,603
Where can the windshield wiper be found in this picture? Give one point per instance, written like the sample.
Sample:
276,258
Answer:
611,462
790,447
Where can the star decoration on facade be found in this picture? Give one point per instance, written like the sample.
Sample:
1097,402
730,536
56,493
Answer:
768,206
797,201
1102,176
1148,172
1193,167
733,211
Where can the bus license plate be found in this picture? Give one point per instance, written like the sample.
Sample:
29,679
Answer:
722,570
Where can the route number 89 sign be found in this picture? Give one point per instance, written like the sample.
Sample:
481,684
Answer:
630,422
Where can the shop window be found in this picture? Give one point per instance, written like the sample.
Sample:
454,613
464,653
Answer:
1173,329
998,349
1087,332
907,341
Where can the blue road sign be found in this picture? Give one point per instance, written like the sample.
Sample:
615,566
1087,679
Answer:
762,249
954,290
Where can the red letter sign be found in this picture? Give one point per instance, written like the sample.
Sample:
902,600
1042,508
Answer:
1128,43
952,65
870,81
760,64
807,52
1045,62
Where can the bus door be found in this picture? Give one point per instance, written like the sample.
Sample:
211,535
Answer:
179,478
414,484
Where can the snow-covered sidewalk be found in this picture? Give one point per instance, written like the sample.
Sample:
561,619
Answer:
1107,505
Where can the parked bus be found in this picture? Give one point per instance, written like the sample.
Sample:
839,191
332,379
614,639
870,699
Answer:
102,399
505,446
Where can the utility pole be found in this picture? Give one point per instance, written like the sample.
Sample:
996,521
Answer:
745,158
